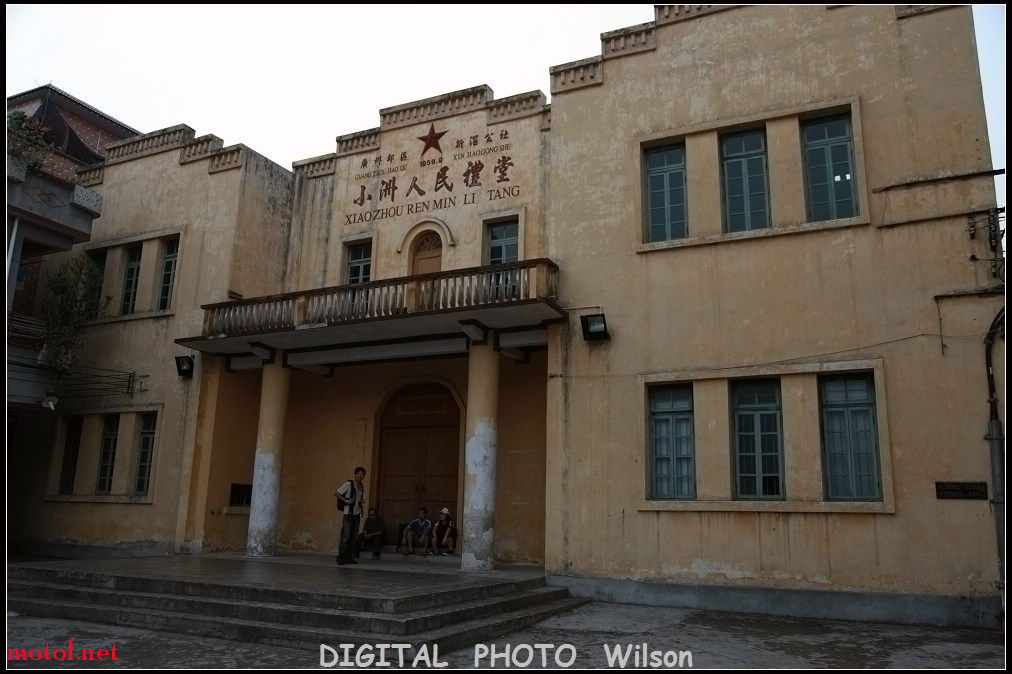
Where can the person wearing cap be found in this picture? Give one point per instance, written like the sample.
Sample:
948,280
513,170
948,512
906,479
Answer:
444,533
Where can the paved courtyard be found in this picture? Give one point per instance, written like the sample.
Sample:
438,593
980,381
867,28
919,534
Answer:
715,640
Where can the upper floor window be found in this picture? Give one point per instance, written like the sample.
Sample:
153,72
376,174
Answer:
170,253
359,262
131,274
829,168
850,437
746,189
503,241
672,444
666,193
759,469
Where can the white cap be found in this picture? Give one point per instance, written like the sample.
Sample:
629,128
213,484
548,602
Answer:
445,511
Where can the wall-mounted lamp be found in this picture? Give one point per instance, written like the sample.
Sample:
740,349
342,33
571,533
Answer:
594,327
184,366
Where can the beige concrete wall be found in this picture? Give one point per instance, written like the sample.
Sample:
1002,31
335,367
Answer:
148,199
790,302
310,233
457,215
262,228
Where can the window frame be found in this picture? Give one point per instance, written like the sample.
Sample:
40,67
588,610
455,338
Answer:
744,158
107,453
757,411
683,412
145,454
170,265
513,220
826,145
870,404
131,279
665,172
352,264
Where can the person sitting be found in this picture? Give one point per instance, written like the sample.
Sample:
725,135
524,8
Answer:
444,533
372,534
417,532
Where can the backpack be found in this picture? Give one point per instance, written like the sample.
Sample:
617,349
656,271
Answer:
343,502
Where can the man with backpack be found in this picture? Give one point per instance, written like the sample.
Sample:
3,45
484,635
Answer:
350,499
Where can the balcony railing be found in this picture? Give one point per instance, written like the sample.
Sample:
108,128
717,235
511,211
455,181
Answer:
456,290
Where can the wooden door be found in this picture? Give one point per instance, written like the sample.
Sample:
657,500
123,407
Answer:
428,254
419,455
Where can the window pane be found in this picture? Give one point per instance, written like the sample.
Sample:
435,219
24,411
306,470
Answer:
829,168
672,453
850,441
169,256
666,193
758,450
130,276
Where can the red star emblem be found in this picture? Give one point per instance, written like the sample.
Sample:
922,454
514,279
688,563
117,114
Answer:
431,139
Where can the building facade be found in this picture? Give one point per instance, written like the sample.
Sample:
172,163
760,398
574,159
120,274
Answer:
715,328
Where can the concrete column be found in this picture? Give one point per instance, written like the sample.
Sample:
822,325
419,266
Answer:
702,177
477,546
126,450
263,510
787,174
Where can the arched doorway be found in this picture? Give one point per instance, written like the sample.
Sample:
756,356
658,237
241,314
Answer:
418,454
427,253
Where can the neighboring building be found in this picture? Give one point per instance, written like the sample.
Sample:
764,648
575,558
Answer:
708,330
47,212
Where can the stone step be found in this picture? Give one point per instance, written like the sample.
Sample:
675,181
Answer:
308,615
448,637
346,599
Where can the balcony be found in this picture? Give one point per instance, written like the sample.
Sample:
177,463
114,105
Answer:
410,316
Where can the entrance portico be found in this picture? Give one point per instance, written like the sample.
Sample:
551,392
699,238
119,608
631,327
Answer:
472,317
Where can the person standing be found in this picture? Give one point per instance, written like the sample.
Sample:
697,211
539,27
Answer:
350,499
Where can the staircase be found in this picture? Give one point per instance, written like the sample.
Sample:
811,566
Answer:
303,608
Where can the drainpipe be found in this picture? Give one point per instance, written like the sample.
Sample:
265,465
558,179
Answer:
996,439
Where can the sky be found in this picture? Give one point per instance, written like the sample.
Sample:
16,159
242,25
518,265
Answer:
287,79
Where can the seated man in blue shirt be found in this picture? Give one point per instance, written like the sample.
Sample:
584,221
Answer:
417,531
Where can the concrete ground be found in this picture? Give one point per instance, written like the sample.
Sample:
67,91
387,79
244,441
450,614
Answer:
715,640
583,637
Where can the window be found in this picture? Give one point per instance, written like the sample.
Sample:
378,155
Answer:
145,452
672,446
359,262
71,448
240,494
130,277
850,438
108,457
170,253
829,168
503,238
666,193
757,440
746,191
